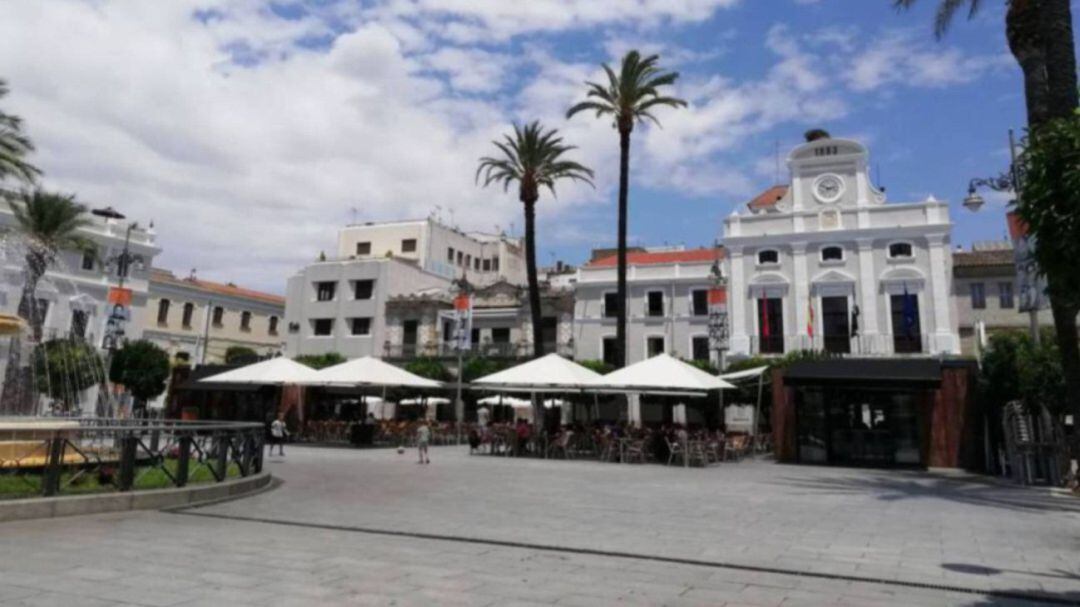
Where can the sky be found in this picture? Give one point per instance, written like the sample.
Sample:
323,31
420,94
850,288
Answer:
250,131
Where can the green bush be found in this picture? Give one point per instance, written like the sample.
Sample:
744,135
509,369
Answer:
320,361
239,355
142,368
63,367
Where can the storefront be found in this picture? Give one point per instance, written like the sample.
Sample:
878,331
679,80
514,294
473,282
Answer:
878,412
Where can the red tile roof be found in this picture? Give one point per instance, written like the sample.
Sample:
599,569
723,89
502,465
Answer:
994,257
645,258
217,287
768,198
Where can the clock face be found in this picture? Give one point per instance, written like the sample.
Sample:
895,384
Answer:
829,188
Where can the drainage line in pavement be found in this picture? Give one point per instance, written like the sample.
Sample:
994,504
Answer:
1004,594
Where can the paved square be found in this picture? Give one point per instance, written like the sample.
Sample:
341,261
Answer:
373,527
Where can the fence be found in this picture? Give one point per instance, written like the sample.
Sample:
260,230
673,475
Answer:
84,455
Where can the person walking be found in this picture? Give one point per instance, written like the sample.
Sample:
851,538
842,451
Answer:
278,432
423,439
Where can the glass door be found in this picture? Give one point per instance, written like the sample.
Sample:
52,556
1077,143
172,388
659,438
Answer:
834,317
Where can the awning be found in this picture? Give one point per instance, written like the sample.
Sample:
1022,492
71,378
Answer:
900,372
272,372
744,374
368,371
551,373
660,374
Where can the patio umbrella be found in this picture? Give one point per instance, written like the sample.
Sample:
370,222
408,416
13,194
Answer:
272,372
660,374
368,371
551,373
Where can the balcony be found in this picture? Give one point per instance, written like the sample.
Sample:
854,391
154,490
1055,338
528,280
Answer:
859,346
498,350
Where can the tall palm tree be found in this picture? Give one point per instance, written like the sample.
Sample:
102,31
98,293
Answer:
47,224
629,97
532,159
14,146
1040,36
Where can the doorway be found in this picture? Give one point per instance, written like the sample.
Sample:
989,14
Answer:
835,325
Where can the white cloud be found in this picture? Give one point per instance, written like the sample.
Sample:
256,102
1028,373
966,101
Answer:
905,58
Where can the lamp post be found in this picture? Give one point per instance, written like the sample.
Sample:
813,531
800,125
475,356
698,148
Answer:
1009,181
718,318
463,317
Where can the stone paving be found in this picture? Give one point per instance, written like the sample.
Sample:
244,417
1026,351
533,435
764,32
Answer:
355,528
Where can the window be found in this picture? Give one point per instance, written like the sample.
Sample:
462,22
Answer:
219,315
408,245
770,311
611,305
699,347
363,289
654,346
360,326
832,254
78,323
273,325
900,250
88,260
183,356
468,261
460,258
700,302
189,311
500,335
322,327
1005,295
476,264
608,351
324,291
245,321
495,263
487,265
978,296
163,312
449,254
363,248
654,305
907,335
768,257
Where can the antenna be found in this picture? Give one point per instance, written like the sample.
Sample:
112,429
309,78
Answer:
776,177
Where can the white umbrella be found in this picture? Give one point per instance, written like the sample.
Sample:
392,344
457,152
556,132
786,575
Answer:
509,401
744,374
272,372
368,371
551,373
434,400
660,374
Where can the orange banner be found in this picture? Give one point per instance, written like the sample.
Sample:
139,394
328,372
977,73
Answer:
118,296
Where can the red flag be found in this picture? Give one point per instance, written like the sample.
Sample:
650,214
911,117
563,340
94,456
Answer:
764,317
810,322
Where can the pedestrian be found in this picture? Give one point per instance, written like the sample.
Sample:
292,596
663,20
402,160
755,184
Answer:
423,438
278,432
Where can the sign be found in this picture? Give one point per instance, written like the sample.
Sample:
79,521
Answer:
1032,286
739,418
463,322
718,318
119,296
119,313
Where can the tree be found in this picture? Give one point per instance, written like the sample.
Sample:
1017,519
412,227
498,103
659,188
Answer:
598,366
14,147
629,97
142,368
1040,37
320,361
531,158
65,367
46,224
430,368
240,355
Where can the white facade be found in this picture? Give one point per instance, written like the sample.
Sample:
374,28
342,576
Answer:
668,280
829,244
439,249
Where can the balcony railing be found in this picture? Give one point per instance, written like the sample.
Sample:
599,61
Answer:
861,345
506,350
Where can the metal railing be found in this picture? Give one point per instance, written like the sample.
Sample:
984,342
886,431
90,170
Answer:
510,350
57,456
858,346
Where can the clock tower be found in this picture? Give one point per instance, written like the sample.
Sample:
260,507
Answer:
829,172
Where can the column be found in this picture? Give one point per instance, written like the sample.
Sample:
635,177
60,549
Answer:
739,340
867,297
800,297
944,339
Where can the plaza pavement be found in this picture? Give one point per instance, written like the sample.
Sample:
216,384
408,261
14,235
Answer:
373,527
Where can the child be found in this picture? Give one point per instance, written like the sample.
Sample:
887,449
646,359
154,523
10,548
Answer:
278,432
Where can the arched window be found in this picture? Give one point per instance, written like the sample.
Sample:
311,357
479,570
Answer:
273,325
163,312
900,250
768,257
245,321
189,311
832,254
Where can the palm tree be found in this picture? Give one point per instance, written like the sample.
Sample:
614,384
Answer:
47,224
1040,36
629,97
531,158
14,146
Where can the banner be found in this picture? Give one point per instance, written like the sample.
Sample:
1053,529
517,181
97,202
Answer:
1032,287
118,315
718,318
463,322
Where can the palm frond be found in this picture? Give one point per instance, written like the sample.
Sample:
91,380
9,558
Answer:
630,92
531,157
946,12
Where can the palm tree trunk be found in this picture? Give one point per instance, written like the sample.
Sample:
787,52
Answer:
536,314
1025,41
1057,29
17,390
624,203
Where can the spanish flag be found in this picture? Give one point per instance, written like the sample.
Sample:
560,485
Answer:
810,322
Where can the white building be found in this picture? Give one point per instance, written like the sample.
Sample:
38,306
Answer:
339,305
827,264
667,305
